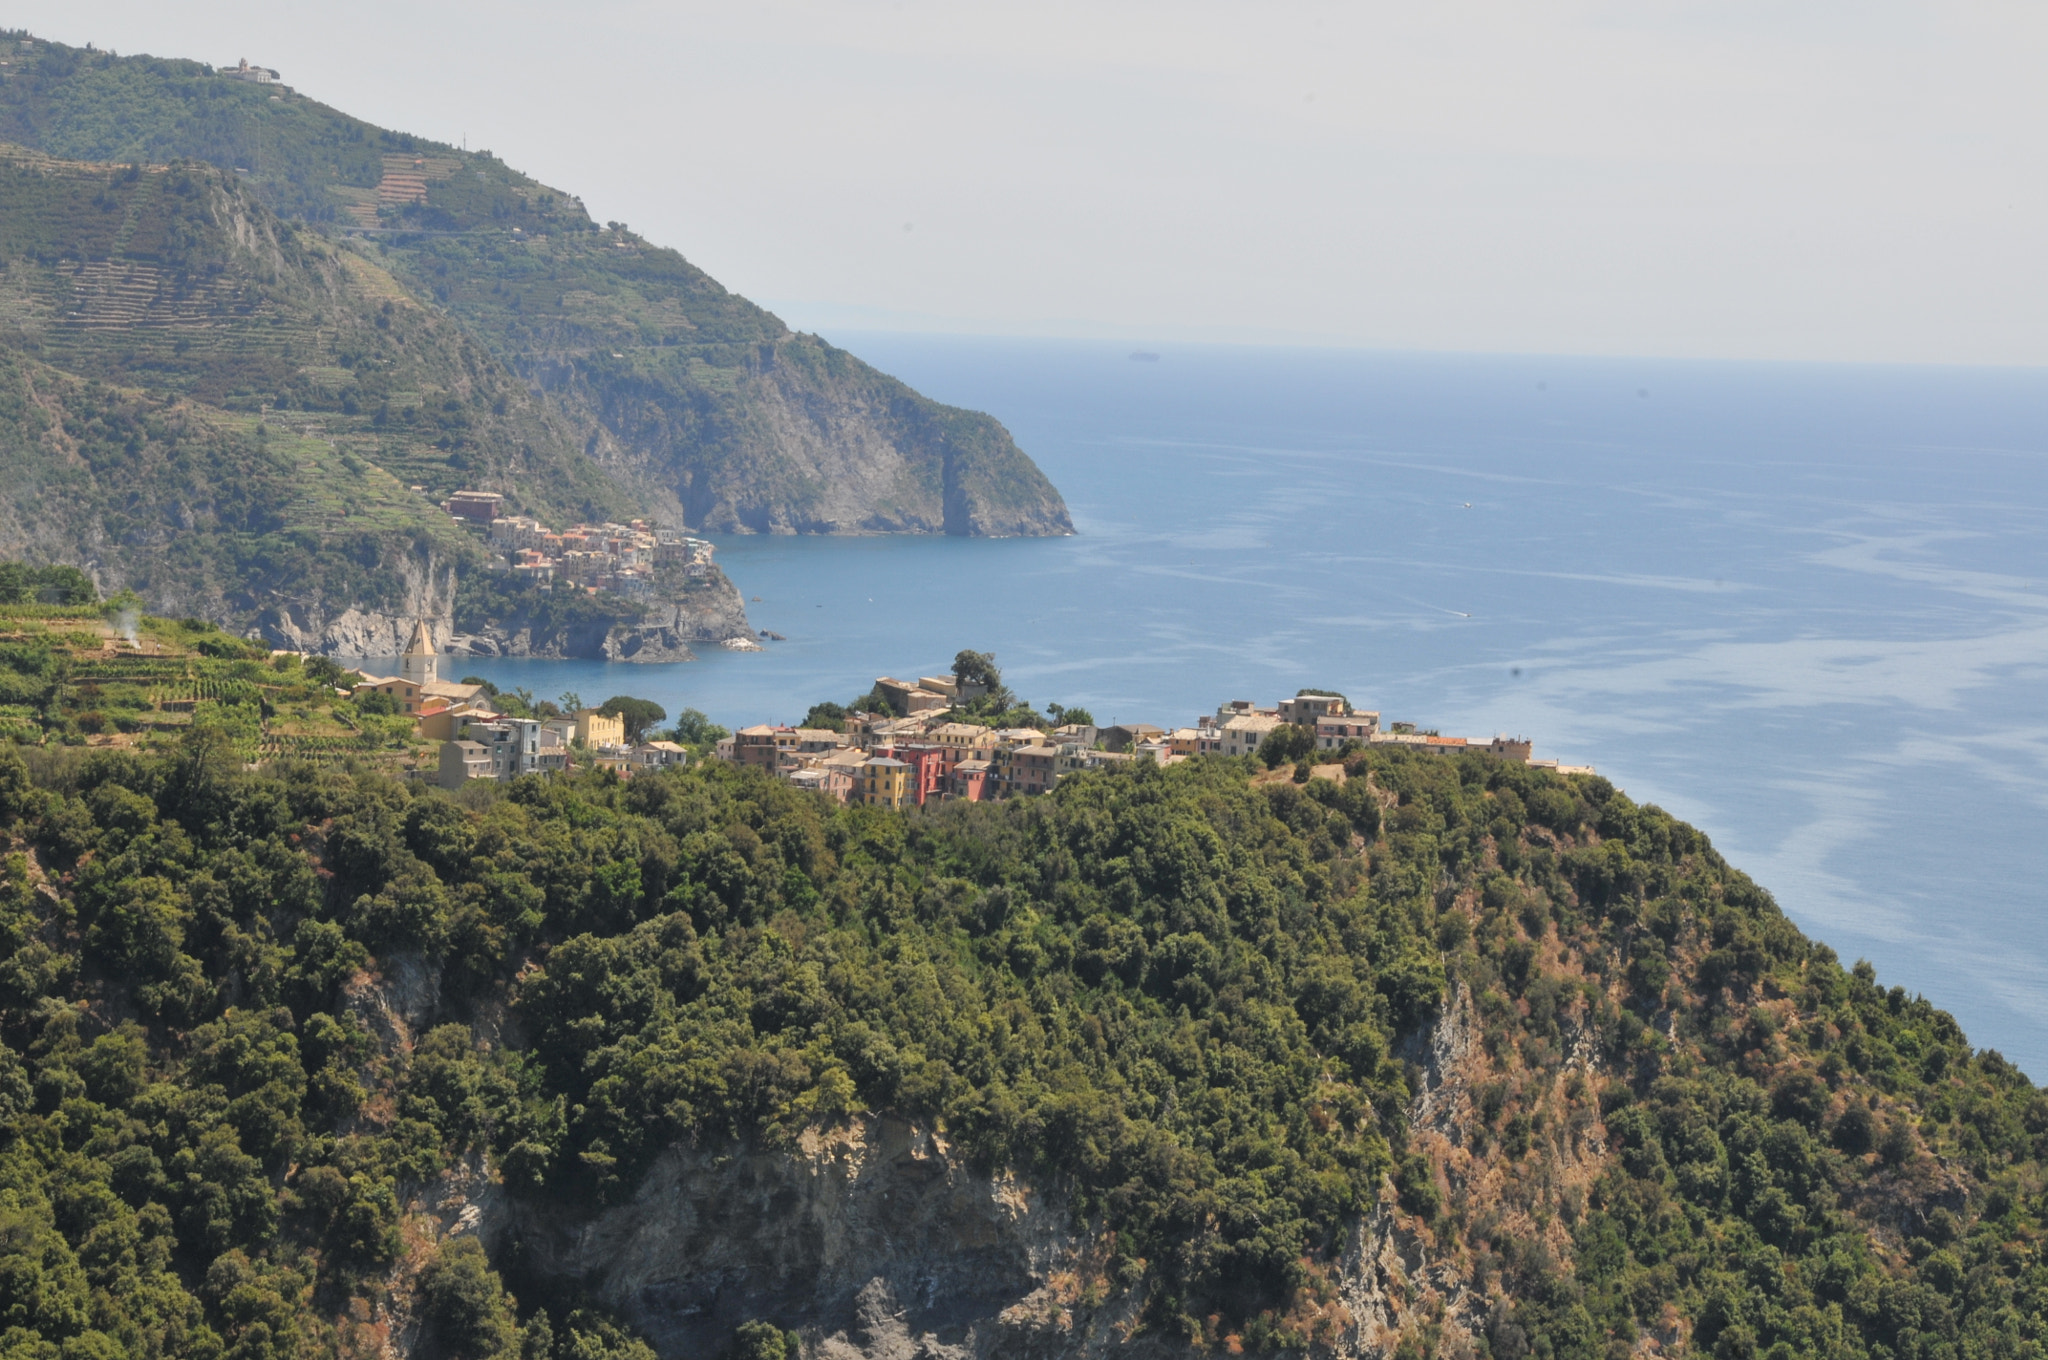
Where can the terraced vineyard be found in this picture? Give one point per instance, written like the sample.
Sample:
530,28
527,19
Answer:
272,399
107,677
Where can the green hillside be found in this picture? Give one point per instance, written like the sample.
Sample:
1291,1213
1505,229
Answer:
240,418
204,511
1588,1089
692,393
173,280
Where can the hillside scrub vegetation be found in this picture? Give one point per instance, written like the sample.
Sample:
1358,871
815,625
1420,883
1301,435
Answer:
1191,1001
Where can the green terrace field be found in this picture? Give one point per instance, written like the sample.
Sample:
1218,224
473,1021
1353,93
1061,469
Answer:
339,486
103,676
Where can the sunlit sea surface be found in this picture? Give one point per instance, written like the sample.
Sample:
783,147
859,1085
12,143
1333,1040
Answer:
1803,607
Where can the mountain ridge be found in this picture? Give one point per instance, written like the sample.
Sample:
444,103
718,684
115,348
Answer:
689,391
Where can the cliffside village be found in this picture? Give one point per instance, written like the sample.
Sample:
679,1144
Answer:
914,754
919,752
613,557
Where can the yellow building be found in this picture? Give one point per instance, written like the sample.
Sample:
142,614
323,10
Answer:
885,782
966,736
398,687
594,729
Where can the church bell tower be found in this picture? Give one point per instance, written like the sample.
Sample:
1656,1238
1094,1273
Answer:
420,662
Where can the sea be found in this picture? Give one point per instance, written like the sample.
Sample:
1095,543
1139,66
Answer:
1804,607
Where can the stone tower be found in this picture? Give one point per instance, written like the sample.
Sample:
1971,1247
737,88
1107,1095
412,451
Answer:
420,662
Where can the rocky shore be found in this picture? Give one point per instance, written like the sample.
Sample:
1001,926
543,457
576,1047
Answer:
711,615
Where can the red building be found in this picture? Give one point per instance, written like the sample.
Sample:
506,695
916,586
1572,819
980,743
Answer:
969,780
929,766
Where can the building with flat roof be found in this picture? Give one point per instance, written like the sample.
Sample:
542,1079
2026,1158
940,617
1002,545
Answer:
1028,770
966,736
594,729
910,697
1243,733
482,506
462,761
969,781
1123,736
1304,709
1334,729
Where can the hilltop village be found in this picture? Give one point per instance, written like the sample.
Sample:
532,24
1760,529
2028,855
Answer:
621,558
908,742
913,748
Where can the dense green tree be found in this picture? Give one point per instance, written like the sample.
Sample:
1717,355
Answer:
639,714
977,668
696,731
464,1305
827,716
376,702
1286,744
1193,1001
759,1341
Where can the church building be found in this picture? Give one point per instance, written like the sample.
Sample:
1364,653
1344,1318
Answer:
418,686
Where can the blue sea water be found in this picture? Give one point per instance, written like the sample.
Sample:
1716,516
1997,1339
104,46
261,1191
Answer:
1804,607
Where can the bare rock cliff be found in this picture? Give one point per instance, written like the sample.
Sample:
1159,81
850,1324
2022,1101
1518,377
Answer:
878,1241
874,1240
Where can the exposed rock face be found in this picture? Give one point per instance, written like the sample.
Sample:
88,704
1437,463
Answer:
807,439
426,591
877,1241
874,1240
710,613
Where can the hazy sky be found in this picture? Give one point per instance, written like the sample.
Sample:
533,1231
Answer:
1792,179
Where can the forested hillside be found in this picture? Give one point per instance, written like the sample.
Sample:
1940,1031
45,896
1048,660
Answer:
1451,1056
686,393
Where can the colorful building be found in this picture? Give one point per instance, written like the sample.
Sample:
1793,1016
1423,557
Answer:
885,782
1028,769
595,729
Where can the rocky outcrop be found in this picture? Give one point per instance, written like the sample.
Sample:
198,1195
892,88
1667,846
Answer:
426,590
877,1240
711,611
873,1240
353,632
804,438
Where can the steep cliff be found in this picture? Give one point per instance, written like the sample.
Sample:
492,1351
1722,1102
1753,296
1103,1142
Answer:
792,435
873,1237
